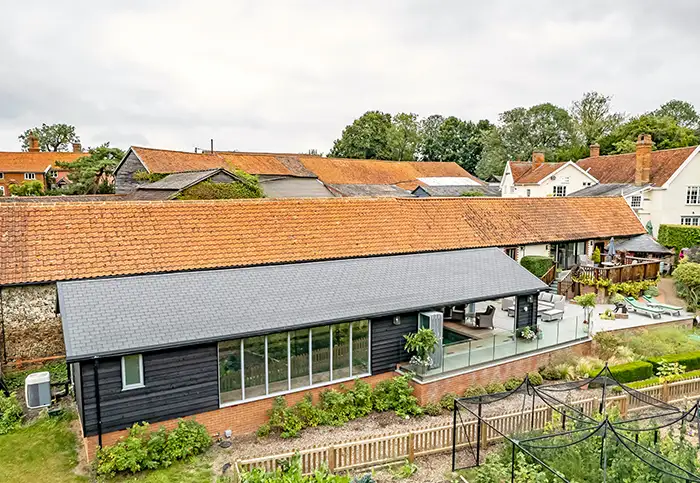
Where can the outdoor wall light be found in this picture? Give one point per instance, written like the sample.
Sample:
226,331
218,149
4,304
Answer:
397,320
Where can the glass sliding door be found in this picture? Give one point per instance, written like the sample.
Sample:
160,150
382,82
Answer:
230,375
277,367
299,358
254,366
341,351
321,354
360,347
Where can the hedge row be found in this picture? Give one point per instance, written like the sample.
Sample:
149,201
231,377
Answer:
691,360
653,381
679,236
632,371
537,265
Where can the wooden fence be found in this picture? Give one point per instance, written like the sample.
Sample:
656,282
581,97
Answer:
390,448
622,273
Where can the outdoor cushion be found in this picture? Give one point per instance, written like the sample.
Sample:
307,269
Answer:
553,314
545,296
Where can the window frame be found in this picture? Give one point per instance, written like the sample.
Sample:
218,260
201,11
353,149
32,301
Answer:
29,176
142,383
634,198
696,218
2,191
2,175
559,189
692,191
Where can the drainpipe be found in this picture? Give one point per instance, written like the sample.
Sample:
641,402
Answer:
95,364
2,329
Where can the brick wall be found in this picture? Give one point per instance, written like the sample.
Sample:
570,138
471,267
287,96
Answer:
18,178
433,391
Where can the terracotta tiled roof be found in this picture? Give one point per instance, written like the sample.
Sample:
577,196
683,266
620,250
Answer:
619,168
369,171
60,241
523,172
25,162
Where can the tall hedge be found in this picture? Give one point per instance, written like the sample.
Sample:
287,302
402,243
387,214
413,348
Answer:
632,371
691,360
536,264
679,236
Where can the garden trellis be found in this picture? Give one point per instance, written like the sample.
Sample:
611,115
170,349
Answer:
625,423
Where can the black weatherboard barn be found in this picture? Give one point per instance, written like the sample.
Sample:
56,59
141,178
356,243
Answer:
164,346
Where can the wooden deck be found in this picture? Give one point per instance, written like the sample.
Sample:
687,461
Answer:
473,332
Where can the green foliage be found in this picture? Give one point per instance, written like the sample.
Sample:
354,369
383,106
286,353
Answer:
471,194
143,449
447,401
669,369
396,394
689,360
586,300
652,291
497,468
687,277
403,471
595,257
27,188
494,387
653,381
682,112
264,430
593,117
143,175
209,190
660,342
432,409
371,137
512,384
632,371
337,407
535,378
606,344
15,378
452,139
94,172
679,236
633,288
52,137
665,132
10,413
422,344
475,390
537,265
284,420
290,471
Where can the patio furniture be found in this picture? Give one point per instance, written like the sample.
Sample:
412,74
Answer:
552,315
456,314
484,320
508,303
511,312
671,309
644,309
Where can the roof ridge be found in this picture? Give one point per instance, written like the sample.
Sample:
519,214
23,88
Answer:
692,148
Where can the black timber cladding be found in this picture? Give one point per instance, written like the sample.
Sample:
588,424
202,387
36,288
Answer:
178,383
388,342
526,311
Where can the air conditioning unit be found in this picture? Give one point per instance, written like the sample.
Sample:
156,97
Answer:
37,390
433,320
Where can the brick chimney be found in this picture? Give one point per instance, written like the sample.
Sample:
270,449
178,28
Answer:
642,170
537,159
595,150
77,148
33,143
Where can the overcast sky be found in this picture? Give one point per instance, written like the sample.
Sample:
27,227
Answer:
287,76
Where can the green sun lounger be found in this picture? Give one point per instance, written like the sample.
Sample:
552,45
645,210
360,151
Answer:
671,309
637,306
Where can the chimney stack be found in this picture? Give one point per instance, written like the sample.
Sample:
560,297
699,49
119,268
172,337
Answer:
33,143
77,148
595,150
642,170
537,159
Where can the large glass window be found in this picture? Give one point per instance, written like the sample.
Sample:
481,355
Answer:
321,354
230,375
299,350
360,347
341,351
254,366
278,376
692,195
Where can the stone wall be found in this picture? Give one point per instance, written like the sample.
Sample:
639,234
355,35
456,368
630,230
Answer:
32,328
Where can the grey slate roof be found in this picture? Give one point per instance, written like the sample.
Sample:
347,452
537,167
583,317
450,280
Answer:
113,316
456,191
642,243
608,189
180,181
368,190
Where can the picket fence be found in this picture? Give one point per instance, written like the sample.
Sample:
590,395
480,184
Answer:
390,448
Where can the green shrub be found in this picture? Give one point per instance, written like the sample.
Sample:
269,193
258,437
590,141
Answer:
362,398
475,390
264,430
396,394
652,292
57,369
432,409
448,401
691,360
595,256
535,378
188,439
687,277
283,419
10,413
653,381
512,384
679,236
309,415
494,387
537,265
660,341
337,407
632,371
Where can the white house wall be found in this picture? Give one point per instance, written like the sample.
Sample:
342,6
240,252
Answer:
570,176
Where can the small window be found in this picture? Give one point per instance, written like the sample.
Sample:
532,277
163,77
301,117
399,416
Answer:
2,175
512,252
690,220
528,192
559,191
132,372
587,183
2,191
29,175
692,195
636,201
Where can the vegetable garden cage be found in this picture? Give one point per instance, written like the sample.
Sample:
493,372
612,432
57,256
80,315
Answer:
619,420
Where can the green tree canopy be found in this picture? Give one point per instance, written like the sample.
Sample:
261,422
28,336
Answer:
593,117
452,139
682,112
665,132
53,137
28,188
404,136
368,137
93,173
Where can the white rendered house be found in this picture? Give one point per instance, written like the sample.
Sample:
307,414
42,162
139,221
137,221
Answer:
537,179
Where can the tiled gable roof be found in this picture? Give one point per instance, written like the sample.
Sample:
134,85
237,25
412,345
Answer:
620,168
32,162
524,173
62,241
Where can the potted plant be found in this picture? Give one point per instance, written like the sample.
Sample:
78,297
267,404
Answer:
530,332
421,344
587,301
595,257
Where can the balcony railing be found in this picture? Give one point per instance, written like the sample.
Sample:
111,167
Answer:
621,273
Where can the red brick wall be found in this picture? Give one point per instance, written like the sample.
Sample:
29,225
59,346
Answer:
17,178
433,391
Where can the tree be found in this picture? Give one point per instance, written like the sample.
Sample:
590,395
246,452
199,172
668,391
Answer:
94,172
682,112
453,140
404,136
665,132
54,137
593,117
368,137
28,188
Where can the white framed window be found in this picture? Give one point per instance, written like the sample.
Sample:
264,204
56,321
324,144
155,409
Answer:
512,252
528,192
2,191
2,175
132,372
690,220
29,175
692,195
559,191
636,201
587,183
